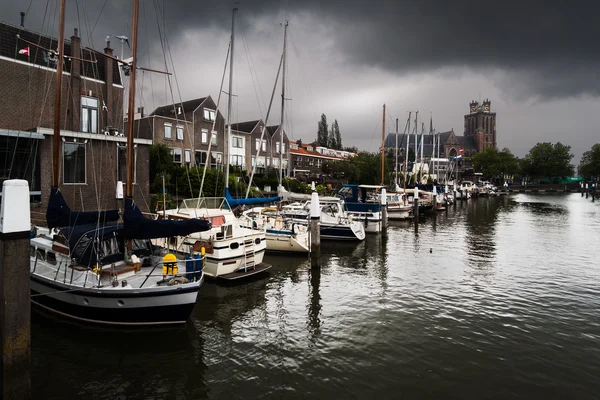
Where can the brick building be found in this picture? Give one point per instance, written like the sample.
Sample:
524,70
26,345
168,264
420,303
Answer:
93,146
186,128
307,159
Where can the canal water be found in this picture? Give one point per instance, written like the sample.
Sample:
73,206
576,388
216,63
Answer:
498,298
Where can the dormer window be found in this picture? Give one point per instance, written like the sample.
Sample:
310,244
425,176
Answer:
209,115
309,148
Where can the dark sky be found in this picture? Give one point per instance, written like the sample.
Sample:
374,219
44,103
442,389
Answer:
537,61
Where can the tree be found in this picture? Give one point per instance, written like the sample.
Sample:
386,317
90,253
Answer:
322,132
332,143
548,160
589,166
336,133
494,163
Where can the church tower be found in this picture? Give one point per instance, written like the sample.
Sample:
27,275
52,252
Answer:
480,124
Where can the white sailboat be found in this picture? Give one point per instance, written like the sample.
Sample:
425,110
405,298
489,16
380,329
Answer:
98,270
232,251
281,234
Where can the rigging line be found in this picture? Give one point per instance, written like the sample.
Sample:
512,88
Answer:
303,74
375,131
99,14
149,59
253,75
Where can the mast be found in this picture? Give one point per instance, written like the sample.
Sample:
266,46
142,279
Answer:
229,102
383,148
396,155
57,103
282,107
416,145
131,108
406,155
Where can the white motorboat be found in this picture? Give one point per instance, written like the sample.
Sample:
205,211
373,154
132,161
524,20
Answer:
282,234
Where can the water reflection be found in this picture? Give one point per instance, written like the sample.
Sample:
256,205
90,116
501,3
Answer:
115,364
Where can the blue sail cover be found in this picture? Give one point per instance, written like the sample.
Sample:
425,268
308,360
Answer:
83,239
139,227
59,214
252,201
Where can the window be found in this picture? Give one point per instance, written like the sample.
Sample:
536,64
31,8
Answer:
216,158
268,161
257,145
261,162
264,145
209,115
122,163
213,138
277,147
319,162
73,162
89,114
204,136
168,128
276,162
177,156
237,142
179,132
237,161
283,148
299,161
309,148
253,161
187,156
201,157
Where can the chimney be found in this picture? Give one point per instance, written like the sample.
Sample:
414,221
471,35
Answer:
22,19
108,87
75,80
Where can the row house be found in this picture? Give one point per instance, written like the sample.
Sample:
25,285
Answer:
308,159
92,154
190,129
251,147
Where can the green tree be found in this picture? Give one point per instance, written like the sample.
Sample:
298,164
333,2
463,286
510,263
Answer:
331,139
493,163
336,133
548,160
323,132
589,166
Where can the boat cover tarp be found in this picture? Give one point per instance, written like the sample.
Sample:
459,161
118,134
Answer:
252,201
139,227
83,239
60,215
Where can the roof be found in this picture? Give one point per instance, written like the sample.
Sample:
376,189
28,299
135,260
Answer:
390,141
272,129
10,45
245,127
188,106
302,150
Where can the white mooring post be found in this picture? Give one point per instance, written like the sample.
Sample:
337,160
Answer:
416,208
15,315
315,230
384,212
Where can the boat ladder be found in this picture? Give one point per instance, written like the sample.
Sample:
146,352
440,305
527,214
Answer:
249,250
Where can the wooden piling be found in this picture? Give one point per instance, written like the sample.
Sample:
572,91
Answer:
315,230
15,314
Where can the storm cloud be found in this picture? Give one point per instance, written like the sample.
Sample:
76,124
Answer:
528,57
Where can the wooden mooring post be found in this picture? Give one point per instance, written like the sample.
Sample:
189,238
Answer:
586,191
15,309
315,230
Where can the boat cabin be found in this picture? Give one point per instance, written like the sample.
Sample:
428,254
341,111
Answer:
361,198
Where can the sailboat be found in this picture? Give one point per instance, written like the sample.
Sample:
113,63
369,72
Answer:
282,234
399,206
93,268
232,251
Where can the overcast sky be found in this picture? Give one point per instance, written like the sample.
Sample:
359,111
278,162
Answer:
537,61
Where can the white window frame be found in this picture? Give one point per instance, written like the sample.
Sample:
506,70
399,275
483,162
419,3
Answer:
209,115
257,145
187,156
170,126
204,136
179,129
123,146
87,109
264,145
237,142
277,147
175,151
213,138
84,144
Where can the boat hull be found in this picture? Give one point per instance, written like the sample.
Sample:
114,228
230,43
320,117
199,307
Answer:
340,232
287,243
115,306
